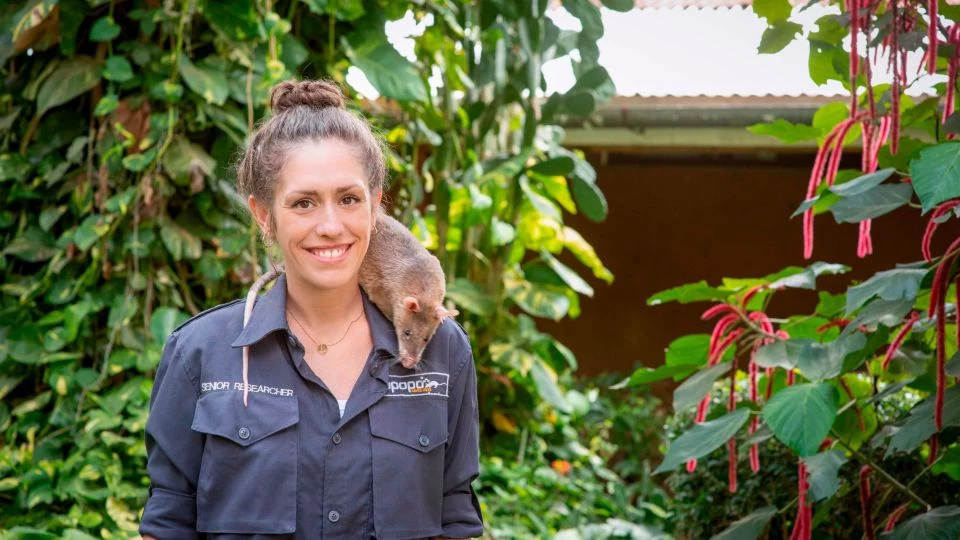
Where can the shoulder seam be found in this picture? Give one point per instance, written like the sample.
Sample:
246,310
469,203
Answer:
205,312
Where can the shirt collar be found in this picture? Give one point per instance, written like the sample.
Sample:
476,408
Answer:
269,315
381,329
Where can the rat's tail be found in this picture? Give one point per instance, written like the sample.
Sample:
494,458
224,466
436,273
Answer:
247,310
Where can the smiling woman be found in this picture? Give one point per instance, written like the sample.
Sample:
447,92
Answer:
333,428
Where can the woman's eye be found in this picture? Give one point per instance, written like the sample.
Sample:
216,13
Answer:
351,199
302,204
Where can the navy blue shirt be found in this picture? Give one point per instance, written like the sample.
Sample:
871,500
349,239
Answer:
398,463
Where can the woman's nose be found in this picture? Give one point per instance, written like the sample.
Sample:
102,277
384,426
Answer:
328,222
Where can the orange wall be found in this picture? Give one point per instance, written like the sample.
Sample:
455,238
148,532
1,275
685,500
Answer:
677,221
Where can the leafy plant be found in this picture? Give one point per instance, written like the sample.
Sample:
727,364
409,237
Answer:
815,382
586,477
121,120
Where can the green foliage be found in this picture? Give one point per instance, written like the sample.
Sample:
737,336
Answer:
119,217
586,477
858,352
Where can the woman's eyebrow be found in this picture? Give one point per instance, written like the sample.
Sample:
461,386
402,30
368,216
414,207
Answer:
315,193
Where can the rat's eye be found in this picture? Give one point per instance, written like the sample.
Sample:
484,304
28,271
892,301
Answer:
407,333
426,340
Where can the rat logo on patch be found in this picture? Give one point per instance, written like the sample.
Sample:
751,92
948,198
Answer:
420,384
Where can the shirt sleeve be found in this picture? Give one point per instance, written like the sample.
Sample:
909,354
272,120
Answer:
173,451
461,515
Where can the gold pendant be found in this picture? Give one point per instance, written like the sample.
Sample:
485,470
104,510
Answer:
322,348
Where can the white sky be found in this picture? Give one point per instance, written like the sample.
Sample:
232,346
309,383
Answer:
680,52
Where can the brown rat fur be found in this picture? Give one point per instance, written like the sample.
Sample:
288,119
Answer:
407,283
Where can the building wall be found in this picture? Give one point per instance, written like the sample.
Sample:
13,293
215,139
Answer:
680,220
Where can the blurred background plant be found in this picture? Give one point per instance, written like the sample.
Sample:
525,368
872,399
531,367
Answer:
121,121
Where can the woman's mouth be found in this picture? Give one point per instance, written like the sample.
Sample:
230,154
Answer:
330,254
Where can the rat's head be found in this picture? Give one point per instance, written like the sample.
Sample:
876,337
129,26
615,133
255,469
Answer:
416,323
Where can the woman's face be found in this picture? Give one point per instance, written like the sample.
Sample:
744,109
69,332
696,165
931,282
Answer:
322,214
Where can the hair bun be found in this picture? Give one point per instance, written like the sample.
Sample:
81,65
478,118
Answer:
317,94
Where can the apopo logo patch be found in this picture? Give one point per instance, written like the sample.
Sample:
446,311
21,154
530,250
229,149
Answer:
420,384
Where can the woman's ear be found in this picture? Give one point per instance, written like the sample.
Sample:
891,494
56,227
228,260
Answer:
261,213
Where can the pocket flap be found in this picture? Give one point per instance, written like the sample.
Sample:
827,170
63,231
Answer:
223,414
419,423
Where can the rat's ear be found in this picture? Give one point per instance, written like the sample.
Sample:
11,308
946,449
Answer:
411,304
443,313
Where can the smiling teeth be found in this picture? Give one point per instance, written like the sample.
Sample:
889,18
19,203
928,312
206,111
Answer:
328,253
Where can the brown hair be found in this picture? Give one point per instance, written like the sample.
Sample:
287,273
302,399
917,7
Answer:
305,111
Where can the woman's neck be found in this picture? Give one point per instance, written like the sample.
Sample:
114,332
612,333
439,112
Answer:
323,309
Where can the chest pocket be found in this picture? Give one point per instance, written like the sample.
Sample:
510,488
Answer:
248,475
409,438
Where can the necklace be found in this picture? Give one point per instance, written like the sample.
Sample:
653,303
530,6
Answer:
323,347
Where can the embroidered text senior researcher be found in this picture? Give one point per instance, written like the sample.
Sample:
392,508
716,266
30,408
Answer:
341,444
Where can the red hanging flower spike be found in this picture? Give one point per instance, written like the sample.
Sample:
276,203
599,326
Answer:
895,517
898,340
866,502
932,224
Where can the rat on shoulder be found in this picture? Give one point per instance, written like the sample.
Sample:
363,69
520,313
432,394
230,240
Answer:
406,282
402,278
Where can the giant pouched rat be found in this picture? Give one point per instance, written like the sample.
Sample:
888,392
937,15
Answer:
407,283
402,279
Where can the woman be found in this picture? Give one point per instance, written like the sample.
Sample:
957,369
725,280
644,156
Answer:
318,432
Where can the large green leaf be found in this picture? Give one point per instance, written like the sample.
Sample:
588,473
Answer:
817,361
871,204
118,69
890,285
688,350
571,278
469,296
941,523
104,29
541,300
919,425
235,18
645,375
703,438
777,36
862,184
180,242
184,159
209,83
935,174
69,80
390,73
888,313
589,16
806,278
696,387
801,415
785,130
33,245
772,10
590,200
546,382
622,6
823,469
691,292
749,527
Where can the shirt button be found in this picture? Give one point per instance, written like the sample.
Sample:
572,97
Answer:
424,440
244,433
333,516
336,438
